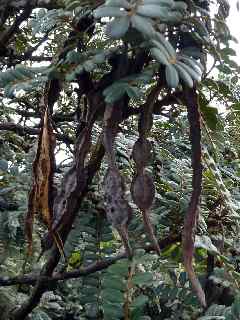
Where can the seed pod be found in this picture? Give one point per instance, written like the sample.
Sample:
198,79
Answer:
142,152
118,210
143,191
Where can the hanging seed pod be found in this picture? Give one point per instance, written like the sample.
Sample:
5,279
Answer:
143,191
118,210
142,152
142,188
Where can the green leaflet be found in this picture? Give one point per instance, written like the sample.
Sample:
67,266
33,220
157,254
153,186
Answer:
112,311
172,77
120,269
109,12
142,278
113,283
140,301
112,295
143,25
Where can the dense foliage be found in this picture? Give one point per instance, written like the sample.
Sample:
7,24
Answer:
119,160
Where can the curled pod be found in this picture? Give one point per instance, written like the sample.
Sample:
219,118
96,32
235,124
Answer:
142,152
143,191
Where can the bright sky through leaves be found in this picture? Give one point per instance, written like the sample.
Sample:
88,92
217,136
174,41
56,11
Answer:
233,22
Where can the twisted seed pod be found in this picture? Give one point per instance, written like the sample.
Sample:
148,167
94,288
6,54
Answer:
118,210
141,152
142,187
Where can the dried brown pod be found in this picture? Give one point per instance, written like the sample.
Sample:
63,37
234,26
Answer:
142,152
118,210
143,190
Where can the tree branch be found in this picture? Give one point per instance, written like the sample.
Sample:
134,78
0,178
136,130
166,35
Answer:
31,279
8,34
57,117
19,58
66,204
22,131
21,4
159,104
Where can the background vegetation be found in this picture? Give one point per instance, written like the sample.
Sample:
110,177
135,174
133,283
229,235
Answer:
119,154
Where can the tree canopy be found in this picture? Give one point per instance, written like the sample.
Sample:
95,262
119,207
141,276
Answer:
119,160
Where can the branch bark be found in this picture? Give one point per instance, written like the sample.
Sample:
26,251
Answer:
21,4
57,117
23,131
158,105
8,34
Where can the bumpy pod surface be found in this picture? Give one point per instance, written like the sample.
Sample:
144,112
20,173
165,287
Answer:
142,153
143,191
117,208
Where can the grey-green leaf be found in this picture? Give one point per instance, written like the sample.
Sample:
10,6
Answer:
118,27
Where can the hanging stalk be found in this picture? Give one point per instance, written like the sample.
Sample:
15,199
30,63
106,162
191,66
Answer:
129,291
